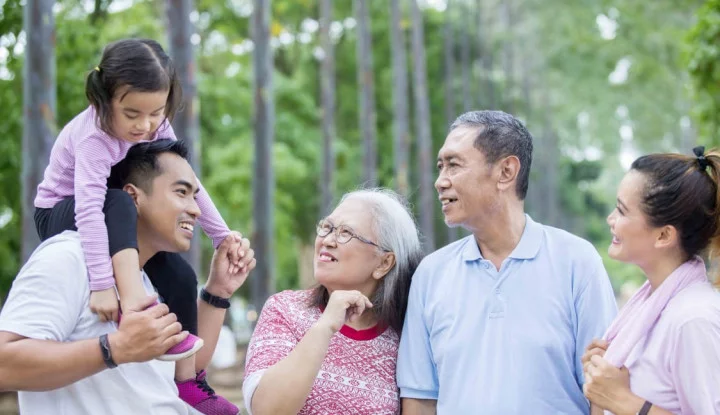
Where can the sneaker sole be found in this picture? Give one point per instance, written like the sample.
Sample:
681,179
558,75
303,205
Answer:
180,356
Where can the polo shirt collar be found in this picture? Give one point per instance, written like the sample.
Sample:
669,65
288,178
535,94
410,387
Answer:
528,247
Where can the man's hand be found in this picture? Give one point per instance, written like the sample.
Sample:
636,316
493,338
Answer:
145,333
225,276
105,304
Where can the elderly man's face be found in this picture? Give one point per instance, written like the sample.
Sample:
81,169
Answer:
168,211
465,183
348,266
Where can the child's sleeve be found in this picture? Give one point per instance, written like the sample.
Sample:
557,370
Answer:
92,169
210,219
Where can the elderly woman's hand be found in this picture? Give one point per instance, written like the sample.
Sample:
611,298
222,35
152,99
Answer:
343,306
597,347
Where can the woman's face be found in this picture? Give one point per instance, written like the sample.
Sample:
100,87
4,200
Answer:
634,239
352,265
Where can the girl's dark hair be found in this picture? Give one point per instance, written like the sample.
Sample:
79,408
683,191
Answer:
140,64
682,191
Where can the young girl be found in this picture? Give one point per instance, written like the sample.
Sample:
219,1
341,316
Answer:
133,94
661,355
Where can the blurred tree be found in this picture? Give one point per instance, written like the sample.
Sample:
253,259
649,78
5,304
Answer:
327,82
401,113
366,83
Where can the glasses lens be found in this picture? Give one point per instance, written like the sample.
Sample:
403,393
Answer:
344,235
323,228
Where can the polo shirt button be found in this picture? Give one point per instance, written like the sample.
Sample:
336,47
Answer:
497,291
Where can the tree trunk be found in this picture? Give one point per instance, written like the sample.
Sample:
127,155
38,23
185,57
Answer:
449,75
422,120
263,178
485,51
400,100
39,97
327,83
509,64
467,84
186,122
366,82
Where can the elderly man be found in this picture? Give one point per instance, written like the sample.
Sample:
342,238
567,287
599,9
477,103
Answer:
63,359
497,322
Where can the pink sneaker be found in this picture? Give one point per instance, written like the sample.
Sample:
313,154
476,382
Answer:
198,394
185,348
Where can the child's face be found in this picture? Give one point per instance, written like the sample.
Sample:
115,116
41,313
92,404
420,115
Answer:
137,115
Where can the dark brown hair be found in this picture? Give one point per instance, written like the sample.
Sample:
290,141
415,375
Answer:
140,64
682,191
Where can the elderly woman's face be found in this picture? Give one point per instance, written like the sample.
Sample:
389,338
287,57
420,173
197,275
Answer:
349,265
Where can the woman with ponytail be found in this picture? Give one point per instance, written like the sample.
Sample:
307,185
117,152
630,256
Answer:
661,355
133,95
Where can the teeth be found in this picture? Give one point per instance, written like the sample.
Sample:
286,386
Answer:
187,226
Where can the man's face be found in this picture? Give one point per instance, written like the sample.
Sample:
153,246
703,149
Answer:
466,184
168,211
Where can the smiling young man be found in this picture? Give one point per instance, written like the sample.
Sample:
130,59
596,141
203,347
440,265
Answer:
497,322
62,357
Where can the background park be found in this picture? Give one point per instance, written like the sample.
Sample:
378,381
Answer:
291,103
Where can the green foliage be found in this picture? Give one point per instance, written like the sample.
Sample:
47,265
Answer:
704,67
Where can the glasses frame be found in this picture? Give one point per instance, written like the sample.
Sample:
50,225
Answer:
336,230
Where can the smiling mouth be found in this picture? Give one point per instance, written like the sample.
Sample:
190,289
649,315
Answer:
187,226
326,258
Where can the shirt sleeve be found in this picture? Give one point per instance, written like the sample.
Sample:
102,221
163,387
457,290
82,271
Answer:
595,308
48,295
696,367
210,219
93,162
272,340
416,371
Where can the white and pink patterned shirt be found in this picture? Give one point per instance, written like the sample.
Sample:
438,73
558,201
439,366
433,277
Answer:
357,375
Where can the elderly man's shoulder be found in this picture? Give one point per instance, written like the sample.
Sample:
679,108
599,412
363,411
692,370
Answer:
449,252
571,245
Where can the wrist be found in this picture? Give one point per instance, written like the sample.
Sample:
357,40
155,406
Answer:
115,344
214,300
322,325
218,291
630,404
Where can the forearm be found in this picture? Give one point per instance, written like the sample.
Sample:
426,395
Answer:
293,377
419,406
40,365
210,321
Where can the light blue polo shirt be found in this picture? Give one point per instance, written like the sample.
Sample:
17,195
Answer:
483,341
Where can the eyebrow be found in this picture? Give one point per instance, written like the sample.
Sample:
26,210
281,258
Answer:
622,205
138,111
449,158
187,184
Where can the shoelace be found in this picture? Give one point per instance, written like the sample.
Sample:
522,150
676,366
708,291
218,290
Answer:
205,387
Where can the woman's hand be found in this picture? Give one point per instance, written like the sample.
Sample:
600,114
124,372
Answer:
607,386
343,306
597,347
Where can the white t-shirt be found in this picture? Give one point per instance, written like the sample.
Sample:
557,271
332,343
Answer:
49,300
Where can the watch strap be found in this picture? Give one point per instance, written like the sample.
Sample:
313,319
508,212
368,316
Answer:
106,352
214,300
645,408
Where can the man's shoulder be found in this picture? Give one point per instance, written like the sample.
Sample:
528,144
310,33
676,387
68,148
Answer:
62,253
571,245
447,253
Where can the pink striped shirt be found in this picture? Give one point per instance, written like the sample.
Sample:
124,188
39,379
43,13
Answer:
80,163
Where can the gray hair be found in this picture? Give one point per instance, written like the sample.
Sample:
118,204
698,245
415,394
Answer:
499,135
395,229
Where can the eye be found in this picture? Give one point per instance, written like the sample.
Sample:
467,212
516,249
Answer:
619,209
182,191
131,117
345,233
439,166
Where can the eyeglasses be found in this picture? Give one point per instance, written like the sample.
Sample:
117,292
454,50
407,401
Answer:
343,234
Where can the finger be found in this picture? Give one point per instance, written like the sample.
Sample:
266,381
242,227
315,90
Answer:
102,317
158,310
249,256
145,303
174,340
167,320
245,244
599,361
114,316
240,252
171,330
251,266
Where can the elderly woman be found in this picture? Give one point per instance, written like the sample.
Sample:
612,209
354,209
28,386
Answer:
333,349
661,355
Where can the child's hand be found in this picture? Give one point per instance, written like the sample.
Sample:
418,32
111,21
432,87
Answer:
105,304
236,252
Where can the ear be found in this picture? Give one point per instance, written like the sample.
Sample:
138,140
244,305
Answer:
508,169
667,237
134,192
386,264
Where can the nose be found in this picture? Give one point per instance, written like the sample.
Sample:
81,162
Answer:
329,239
611,218
144,125
193,208
442,182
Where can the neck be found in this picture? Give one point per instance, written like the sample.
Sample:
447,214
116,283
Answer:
498,236
145,249
659,270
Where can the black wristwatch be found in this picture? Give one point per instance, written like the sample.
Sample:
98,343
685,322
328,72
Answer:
106,352
214,300
645,408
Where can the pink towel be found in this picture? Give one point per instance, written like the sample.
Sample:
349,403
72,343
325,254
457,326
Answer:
643,309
